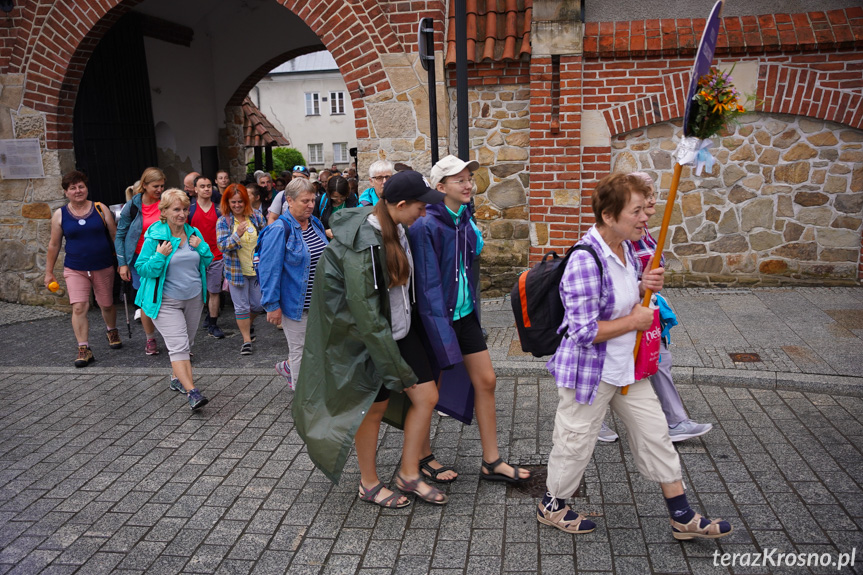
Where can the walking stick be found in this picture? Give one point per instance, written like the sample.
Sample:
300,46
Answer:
124,288
702,64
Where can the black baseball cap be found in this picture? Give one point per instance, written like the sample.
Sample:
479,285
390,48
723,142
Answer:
410,185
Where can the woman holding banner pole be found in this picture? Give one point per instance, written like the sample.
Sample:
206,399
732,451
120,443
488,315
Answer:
595,363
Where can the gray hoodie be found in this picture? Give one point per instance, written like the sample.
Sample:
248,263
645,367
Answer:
400,299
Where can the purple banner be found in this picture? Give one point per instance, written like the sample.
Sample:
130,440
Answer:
703,58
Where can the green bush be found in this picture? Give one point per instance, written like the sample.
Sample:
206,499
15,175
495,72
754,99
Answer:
284,159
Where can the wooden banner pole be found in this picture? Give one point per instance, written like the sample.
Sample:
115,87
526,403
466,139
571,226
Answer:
660,244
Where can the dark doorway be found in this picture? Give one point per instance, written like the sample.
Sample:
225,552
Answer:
113,124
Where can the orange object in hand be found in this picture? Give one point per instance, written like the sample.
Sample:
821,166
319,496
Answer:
53,286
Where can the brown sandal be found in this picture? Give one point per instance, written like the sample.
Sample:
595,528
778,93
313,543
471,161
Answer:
435,496
693,529
391,502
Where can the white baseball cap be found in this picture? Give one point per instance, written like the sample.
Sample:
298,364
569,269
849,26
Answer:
449,166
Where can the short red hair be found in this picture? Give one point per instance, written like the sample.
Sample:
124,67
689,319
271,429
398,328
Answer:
230,192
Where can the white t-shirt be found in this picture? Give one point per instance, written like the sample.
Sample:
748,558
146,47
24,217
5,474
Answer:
619,366
278,205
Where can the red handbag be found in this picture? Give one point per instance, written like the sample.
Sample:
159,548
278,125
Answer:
647,360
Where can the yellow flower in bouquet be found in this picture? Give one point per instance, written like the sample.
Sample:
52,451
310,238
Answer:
717,104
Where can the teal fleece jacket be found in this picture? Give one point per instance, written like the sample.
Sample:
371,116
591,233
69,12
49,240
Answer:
153,266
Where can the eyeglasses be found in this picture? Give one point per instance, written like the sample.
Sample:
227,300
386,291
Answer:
381,178
460,182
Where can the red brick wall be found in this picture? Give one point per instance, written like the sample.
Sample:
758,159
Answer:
636,73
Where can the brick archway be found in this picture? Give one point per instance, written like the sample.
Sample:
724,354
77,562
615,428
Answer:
69,30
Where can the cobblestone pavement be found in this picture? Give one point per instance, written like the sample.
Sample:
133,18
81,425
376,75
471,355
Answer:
105,470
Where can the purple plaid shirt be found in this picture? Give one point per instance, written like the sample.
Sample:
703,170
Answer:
577,363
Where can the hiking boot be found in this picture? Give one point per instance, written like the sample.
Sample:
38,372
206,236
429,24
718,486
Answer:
283,368
152,348
213,330
114,339
176,385
687,429
85,356
246,349
607,434
196,400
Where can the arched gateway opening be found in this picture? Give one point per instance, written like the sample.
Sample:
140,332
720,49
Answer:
181,66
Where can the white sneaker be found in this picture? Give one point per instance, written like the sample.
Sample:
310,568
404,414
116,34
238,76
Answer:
687,429
138,314
607,434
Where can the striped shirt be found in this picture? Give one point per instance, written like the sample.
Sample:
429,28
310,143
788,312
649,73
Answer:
316,247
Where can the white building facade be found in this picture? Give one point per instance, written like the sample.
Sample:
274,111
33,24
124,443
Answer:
307,100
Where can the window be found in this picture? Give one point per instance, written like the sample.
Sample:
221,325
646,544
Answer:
337,103
340,153
316,153
313,104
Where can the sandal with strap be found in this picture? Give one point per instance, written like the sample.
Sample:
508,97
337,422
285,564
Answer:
694,530
435,496
391,502
430,472
492,476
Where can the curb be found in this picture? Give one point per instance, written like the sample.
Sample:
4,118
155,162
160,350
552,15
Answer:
750,379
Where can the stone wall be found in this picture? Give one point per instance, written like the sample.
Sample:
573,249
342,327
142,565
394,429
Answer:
783,204
26,206
500,142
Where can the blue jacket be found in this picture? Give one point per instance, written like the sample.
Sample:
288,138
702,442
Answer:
284,265
369,197
153,266
128,232
437,245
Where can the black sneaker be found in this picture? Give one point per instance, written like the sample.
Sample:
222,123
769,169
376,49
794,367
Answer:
196,400
246,349
252,333
213,330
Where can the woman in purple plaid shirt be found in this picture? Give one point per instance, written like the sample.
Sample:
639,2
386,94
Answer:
680,426
602,314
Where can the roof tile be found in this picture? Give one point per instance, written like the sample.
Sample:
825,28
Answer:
257,129
496,30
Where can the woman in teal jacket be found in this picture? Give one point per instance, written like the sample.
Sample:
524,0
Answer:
173,268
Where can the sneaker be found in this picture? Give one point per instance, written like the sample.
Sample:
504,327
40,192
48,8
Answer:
252,333
114,339
152,348
206,323
85,356
176,385
687,429
558,514
196,400
138,314
213,330
283,368
246,349
607,434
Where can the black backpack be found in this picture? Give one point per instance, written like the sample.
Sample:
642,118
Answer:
536,304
